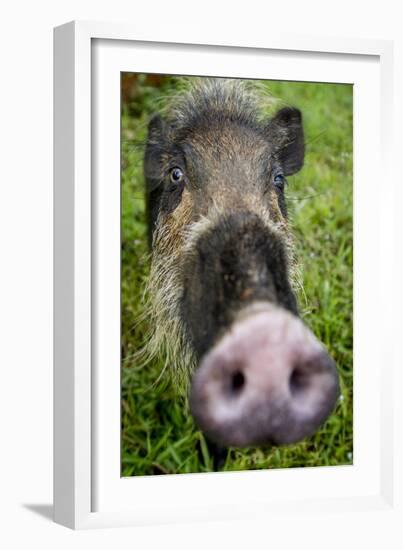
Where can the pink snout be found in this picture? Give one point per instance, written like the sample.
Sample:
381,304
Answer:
268,380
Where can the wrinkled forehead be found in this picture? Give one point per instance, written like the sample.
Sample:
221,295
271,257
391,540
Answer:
226,148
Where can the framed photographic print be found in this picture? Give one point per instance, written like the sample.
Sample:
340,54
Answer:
219,236
216,213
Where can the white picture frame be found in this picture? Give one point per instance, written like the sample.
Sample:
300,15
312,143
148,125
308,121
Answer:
88,490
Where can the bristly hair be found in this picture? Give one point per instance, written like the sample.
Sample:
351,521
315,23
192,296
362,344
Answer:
203,101
166,338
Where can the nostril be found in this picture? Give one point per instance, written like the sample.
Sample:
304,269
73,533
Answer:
237,382
299,381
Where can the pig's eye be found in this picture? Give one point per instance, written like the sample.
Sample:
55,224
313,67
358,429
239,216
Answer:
279,181
176,175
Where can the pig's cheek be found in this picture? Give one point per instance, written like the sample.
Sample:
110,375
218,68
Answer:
183,212
275,211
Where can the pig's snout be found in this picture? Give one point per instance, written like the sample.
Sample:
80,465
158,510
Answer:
268,380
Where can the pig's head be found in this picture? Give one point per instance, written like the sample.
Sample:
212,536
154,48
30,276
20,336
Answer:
222,273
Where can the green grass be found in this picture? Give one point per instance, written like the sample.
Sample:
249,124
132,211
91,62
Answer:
158,433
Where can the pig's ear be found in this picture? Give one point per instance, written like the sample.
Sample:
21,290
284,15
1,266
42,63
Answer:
286,132
157,142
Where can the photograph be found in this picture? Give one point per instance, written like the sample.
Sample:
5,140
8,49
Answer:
236,274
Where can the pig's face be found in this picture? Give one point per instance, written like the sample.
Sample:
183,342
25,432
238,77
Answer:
224,161
222,269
